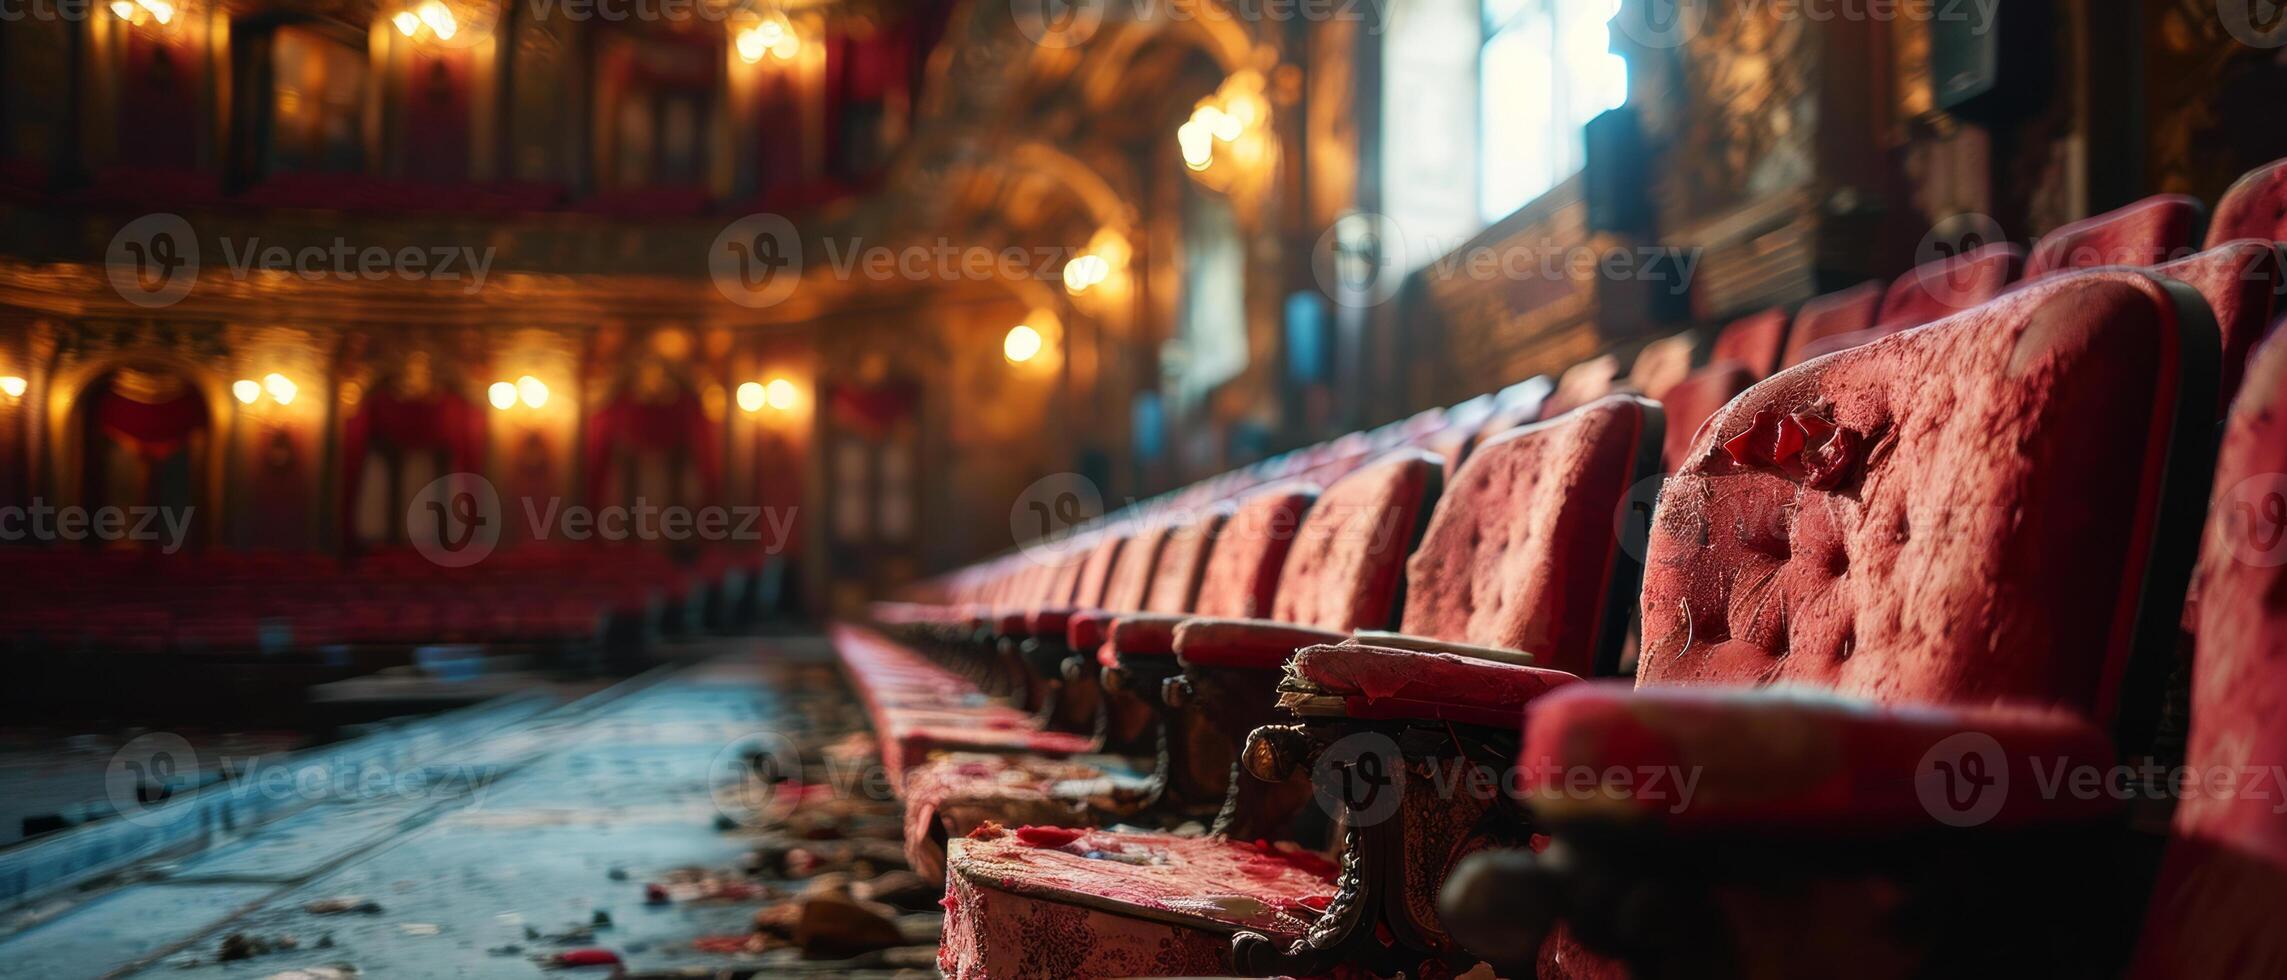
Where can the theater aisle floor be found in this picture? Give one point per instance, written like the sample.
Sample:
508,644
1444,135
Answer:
621,825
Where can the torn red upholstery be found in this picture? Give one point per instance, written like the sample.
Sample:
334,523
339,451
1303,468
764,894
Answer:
2157,229
1754,340
1846,311
1986,483
1054,902
1391,683
2254,207
2242,282
2226,864
958,792
1800,761
1943,287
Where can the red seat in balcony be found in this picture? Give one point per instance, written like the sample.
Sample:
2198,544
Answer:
1884,582
1754,341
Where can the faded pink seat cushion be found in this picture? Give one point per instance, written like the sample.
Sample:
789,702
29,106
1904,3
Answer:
1755,340
2157,229
1800,761
919,709
1054,902
1844,311
1943,287
2242,281
1343,566
2213,913
1880,520
1390,683
2255,206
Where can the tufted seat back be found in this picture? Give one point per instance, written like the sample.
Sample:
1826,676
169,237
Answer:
2214,913
2243,282
2160,228
1242,574
1523,551
1343,571
2254,207
1754,340
1991,508
1943,287
1845,311
1175,577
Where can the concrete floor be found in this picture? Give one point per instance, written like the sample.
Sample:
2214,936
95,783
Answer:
539,826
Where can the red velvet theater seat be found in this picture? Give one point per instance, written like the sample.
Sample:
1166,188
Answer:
1755,341
1662,364
2244,284
1969,539
1339,573
1519,565
1849,311
1690,404
1941,288
1582,383
2213,914
2254,207
2158,229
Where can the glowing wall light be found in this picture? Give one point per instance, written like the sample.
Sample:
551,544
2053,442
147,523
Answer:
1022,344
282,389
781,394
246,390
531,391
12,386
502,394
750,397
